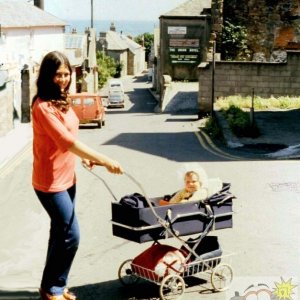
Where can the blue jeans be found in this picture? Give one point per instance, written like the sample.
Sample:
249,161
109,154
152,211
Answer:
63,240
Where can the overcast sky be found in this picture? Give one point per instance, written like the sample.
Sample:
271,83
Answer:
110,9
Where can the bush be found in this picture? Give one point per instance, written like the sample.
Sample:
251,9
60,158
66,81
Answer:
240,123
107,68
213,129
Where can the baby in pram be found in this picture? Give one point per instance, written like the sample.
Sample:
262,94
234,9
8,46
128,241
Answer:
193,190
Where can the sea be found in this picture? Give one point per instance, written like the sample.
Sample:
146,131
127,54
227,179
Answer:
128,27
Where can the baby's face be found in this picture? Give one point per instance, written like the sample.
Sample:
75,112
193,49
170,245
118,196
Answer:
192,183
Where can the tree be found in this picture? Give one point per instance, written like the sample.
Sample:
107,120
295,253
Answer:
107,68
145,40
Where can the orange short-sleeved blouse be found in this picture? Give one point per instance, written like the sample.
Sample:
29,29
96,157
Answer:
53,134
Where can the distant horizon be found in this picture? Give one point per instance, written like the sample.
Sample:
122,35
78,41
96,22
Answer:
131,27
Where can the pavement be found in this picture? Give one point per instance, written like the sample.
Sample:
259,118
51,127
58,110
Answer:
14,142
277,128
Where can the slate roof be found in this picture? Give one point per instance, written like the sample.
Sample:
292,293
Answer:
190,8
114,41
117,41
15,14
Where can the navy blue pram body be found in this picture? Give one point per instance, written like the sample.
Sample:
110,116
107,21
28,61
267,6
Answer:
149,223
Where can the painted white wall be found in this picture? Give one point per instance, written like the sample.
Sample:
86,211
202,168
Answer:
20,47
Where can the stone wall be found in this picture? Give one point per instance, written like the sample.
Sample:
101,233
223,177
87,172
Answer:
271,24
240,78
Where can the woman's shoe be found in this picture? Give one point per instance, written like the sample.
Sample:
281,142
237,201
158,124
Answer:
69,295
46,296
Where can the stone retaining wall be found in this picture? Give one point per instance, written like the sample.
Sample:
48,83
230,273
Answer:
240,78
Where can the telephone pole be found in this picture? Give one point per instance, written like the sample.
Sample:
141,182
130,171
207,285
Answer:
92,13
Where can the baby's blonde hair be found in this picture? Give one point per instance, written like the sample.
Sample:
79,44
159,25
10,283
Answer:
190,173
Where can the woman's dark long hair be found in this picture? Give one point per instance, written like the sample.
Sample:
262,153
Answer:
47,90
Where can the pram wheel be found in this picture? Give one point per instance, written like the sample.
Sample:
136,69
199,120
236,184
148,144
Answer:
125,274
171,287
221,277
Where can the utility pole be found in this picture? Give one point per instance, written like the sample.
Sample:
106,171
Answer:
213,79
92,13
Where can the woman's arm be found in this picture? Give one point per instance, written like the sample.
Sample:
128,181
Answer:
85,152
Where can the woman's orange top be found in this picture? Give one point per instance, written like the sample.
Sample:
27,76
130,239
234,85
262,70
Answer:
54,132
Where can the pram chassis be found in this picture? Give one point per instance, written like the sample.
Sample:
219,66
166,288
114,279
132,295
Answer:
172,286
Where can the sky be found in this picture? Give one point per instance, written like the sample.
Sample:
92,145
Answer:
139,10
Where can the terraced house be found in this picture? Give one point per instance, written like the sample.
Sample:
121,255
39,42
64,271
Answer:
27,33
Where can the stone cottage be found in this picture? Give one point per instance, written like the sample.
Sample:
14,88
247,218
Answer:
123,49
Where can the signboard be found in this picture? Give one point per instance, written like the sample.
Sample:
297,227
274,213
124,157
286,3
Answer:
177,30
184,43
184,51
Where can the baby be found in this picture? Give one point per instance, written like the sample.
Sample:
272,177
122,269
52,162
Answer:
193,190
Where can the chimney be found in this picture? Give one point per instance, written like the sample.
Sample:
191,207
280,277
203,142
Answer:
39,3
112,27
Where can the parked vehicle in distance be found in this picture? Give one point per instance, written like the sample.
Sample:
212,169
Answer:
115,85
88,108
116,99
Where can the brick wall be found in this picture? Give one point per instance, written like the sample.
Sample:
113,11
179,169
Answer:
240,78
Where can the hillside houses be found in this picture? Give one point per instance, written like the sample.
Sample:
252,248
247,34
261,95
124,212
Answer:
124,50
27,33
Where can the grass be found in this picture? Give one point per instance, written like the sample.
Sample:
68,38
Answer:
271,103
236,111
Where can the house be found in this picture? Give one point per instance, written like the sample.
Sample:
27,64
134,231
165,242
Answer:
27,33
124,50
80,49
183,42
184,35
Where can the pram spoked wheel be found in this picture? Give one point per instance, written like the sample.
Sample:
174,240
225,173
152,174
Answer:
125,274
221,277
171,287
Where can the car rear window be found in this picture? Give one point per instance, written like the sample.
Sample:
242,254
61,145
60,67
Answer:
76,101
88,101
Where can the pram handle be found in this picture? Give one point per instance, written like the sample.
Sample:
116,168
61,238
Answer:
159,219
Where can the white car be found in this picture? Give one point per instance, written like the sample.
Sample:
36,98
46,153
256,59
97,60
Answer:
115,85
116,99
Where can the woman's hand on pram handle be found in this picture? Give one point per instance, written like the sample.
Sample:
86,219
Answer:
111,165
86,163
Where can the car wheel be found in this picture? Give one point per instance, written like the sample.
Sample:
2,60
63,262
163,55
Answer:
99,124
103,122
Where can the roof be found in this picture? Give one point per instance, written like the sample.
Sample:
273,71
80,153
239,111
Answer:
190,8
131,44
22,14
114,41
118,41
74,41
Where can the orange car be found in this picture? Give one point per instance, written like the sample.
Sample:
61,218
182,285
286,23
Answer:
88,108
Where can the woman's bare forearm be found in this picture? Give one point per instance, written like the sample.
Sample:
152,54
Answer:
84,151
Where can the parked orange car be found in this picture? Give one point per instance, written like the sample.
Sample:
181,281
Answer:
88,108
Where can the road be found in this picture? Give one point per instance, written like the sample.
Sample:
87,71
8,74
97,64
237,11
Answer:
152,148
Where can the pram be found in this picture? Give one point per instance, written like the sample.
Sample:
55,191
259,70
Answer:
165,265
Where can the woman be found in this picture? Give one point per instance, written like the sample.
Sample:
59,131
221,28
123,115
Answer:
55,146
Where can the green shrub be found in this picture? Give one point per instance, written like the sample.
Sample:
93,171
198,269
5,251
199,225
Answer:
213,129
240,123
